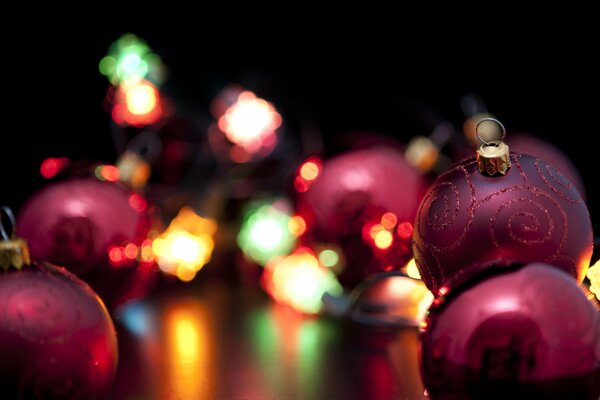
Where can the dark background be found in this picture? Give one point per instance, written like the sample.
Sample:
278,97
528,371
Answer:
355,78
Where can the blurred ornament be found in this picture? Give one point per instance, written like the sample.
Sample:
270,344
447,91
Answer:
83,223
384,299
56,337
186,245
526,334
300,281
529,213
539,148
365,202
267,230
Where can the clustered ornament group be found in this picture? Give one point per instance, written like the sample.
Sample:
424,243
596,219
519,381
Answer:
502,241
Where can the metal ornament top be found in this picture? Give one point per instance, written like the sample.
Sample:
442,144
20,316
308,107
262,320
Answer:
493,157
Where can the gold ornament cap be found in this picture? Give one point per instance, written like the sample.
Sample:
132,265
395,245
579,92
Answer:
493,156
14,251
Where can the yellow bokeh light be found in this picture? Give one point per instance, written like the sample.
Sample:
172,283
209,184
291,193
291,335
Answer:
593,275
309,171
412,270
140,98
383,239
297,225
186,246
299,281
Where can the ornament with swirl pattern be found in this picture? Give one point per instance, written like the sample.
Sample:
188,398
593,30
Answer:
513,332
56,338
500,206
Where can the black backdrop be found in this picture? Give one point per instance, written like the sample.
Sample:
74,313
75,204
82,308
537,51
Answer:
348,79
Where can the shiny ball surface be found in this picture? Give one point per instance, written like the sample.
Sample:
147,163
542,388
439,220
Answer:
56,338
349,200
531,214
529,333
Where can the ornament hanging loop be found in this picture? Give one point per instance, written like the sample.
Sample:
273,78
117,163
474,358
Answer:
490,143
493,157
11,217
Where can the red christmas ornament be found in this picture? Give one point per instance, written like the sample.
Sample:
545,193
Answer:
524,334
56,337
532,213
77,223
365,202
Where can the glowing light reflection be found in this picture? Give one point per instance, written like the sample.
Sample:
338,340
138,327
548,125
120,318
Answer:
189,352
593,275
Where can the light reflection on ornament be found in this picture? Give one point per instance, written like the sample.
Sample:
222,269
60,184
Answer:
186,245
266,232
300,281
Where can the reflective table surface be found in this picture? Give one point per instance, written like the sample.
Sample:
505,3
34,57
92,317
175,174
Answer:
218,340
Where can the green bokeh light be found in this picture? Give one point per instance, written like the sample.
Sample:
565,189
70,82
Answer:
329,258
265,234
130,59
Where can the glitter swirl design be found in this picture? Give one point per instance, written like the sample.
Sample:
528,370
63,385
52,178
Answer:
525,223
531,214
557,182
445,214
441,217
40,308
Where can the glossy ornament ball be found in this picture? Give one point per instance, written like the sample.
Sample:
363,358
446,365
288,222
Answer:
525,334
533,213
365,202
78,223
56,338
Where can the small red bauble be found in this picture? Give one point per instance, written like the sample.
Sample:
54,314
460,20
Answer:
56,338
524,334
533,213
75,223
364,201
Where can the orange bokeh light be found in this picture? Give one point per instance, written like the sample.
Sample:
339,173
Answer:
309,171
389,220
297,225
